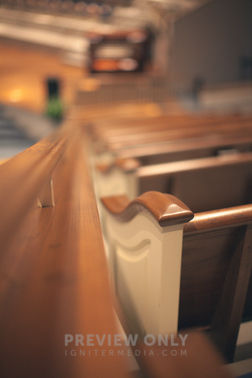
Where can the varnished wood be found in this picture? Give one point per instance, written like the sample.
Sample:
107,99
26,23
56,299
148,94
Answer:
240,127
166,209
201,299
119,111
22,178
211,220
225,323
126,165
194,164
54,278
161,122
203,184
169,151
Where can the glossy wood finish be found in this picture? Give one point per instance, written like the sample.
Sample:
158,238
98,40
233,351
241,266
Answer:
126,165
211,220
216,270
22,178
225,323
203,184
170,151
54,277
194,164
161,122
166,209
114,112
242,126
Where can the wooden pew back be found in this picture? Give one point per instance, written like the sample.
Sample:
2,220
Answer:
203,184
116,140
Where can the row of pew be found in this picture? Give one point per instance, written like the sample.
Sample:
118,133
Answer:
176,213
56,280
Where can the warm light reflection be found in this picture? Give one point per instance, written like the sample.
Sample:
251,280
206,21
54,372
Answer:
16,95
3,161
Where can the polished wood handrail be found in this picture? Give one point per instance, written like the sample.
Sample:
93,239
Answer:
167,210
221,218
54,278
22,179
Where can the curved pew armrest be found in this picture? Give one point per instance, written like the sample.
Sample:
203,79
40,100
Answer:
165,208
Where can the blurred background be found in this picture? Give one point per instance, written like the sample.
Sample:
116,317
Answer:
184,55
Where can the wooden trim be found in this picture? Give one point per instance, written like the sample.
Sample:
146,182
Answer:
165,208
178,133
166,147
221,218
194,164
126,165
227,318
164,122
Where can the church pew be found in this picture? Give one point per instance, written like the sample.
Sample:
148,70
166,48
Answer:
109,127
170,272
115,142
163,128
176,146
54,279
118,112
158,153
186,149
204,184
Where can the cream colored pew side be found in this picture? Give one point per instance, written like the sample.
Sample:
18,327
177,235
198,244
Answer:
138,252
